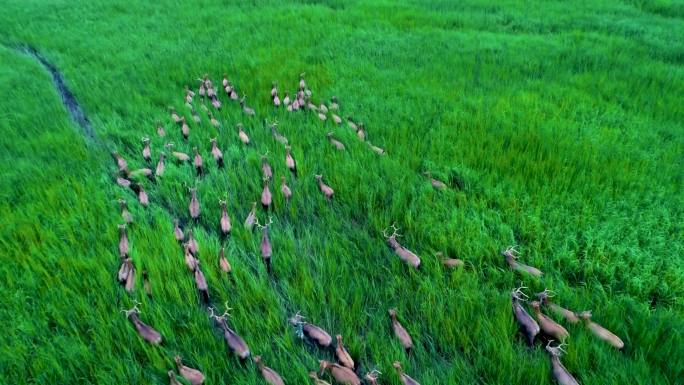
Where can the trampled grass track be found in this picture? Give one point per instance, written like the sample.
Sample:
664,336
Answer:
426,362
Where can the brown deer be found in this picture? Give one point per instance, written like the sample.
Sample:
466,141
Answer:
342,354
527,324
399,331
190,261
214,122
192,243
325,189
146,152
285,189
193,376
372,376
270,375
179,156
547,325
172,378
160,129
403,253
511,254
334,105
286,99
251,218
437,184
194,206
266,197
145,331
201,283
216,153
126,271
280,138
223,261
569,315
123,242
405,378
601,332
317,381
289,161
340,373
226,226
125,214
336,143
185,129
143,198
120,162
177,232
236,344
361,132
161,166
242,135
174,115
146,284
247,110
265,167
265,247
560,373
310,331
199,164
449,262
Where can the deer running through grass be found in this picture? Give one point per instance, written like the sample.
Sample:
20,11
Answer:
511,255
569,315
144,330
270,376
600,331
560,373
527,324
265,246
193,376
399,331
314,333
327,191
342,354
405,378
548,325
340,373
403,253
236,344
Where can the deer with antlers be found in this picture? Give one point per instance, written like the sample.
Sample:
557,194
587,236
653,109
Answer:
266,197
193,376
548,325
403,253
569,315
372,376
236,344
527,324
327,191
194,206
216,153
265,247
511,255
599,331
560,373
399,331
312,332
270,376
340,373
144,330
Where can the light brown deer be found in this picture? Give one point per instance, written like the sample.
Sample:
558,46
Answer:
280,138
185,129
223,261
569,315
216,153
399,331
160,129
317,381
286,99
126,271
192,243
124,247
226,226
511,254
265,246
336,143
143,198
194,206
342,354
198,162
161,166
125,214
548,325
120,162
146,152
340,373
146,284
285,189
251,218
560,373
201,282
174,115
437,184
361,132
372,376
289,161
236,344
327,191
193,376
449,262
270,375
334,105
144,330
601,332
312,332
179,156
247,110
177,232
528,326
266,197
405,378
242,134
403,253
265,167
172,378
190,261
214,122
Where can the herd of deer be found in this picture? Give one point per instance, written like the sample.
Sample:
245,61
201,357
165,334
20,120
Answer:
345,371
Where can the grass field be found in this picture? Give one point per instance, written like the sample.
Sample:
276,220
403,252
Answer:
558,126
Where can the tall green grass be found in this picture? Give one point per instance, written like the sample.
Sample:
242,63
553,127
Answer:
558,126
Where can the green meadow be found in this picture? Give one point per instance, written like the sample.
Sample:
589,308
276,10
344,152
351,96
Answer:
558,127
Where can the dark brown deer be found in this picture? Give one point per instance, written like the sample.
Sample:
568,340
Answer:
342,354
177,232
325,189
265,247
310,331
145,331
405,378
547,325
289,161
403,253
399,331
265,167
560,373
266,197
120,163
161,166
124,247
527,324
198,162
251,218
285,189
125,214
340,373
511,254
601,332
223,261
194,206
226,226
236,344
193,376
146,152
216,153
569,315
270,375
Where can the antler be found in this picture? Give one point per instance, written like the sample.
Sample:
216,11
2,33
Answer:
395,232
133,309
373,374
260,226
546,293
556,350
518,293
